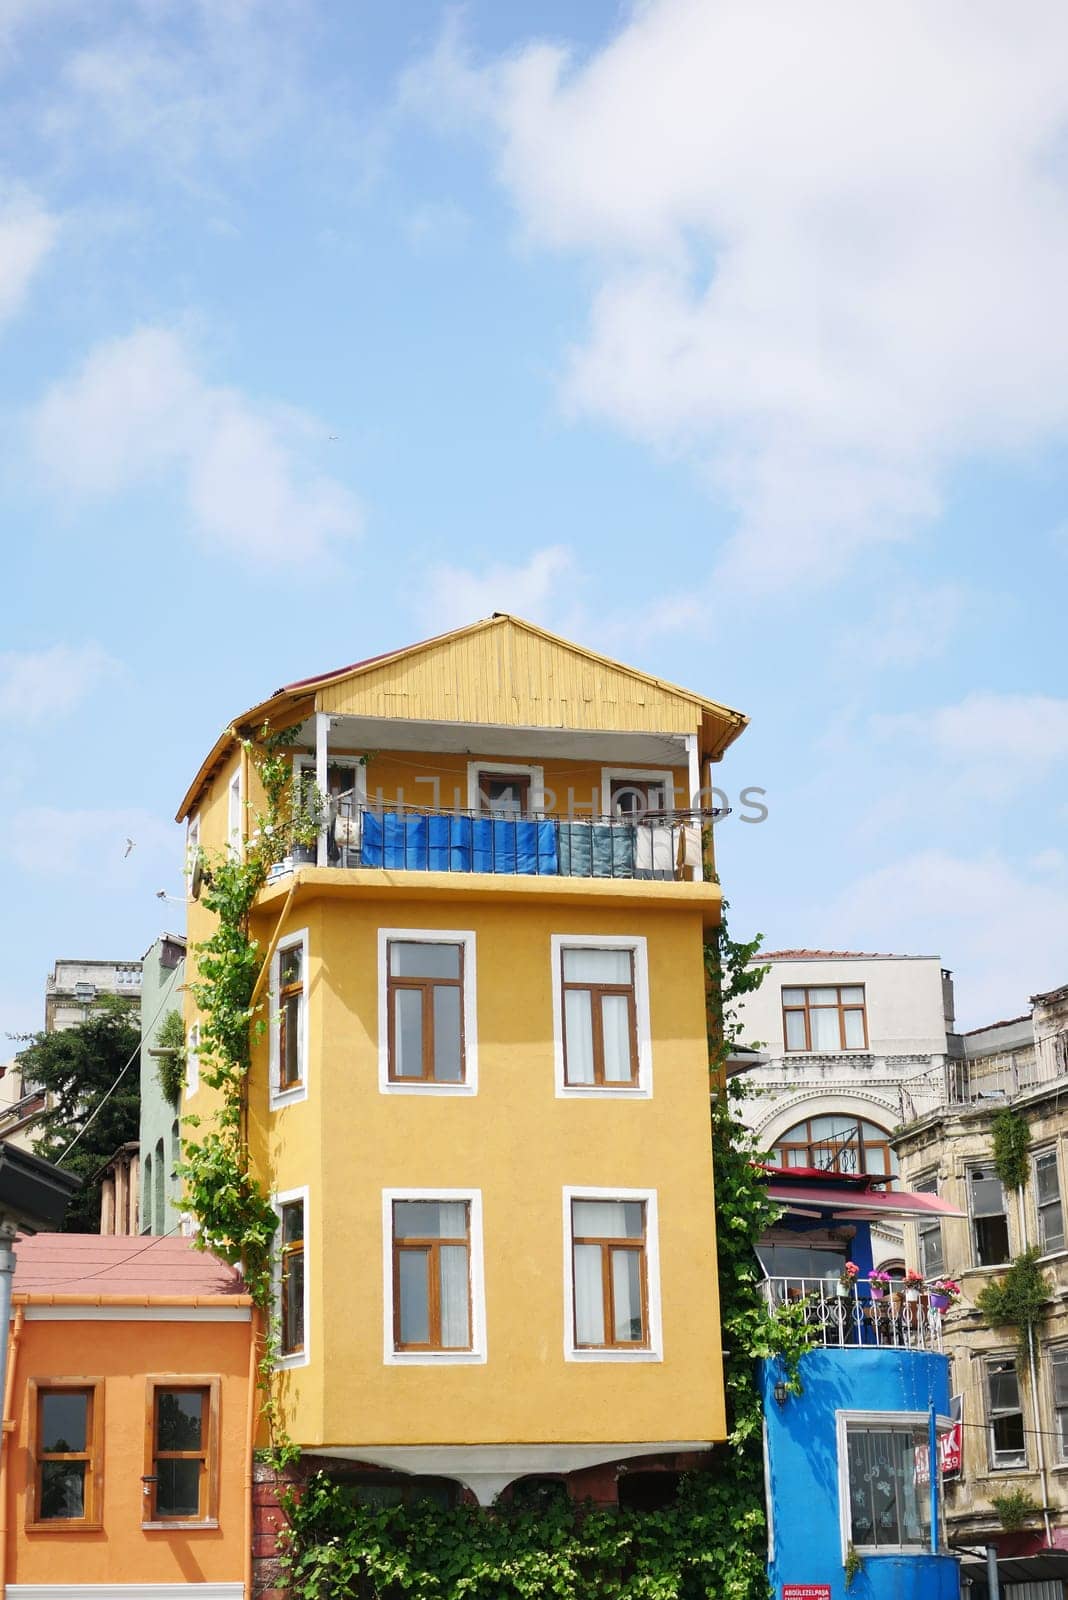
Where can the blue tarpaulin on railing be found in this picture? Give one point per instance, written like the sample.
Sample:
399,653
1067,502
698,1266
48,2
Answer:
449,843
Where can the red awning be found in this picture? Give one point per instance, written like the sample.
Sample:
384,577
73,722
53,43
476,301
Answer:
854,1205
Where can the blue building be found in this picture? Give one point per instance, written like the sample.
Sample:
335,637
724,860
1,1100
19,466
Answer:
854,1508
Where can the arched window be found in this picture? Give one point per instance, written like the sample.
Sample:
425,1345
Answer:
837,1143
146,1196
159,1197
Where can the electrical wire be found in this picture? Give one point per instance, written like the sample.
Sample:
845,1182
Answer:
136,1056
113,1266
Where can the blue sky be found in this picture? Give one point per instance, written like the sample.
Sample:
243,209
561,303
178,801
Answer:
725,338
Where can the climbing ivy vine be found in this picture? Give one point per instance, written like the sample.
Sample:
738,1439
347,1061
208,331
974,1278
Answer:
233,1211
1012,1142
1019,1299
709,1544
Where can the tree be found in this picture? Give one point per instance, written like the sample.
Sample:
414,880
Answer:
76,1068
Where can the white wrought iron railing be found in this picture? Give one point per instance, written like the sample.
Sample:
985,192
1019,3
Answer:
859,1316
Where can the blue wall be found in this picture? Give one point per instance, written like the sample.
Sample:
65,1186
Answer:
803,1470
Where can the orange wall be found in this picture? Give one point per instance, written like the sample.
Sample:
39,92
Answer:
124,1354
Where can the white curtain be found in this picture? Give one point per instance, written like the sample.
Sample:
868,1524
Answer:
601,1219
585,965
615,1028
589,1300
407,1033
627,1295
578,1035
455,1324
825,1035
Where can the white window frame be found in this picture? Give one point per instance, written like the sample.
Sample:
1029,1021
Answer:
636,943
882,1419
654,1350
1061,1444
279,1098
235,814
192,1060
638,776
476,1356
462,936
287,1197
192,846
521,769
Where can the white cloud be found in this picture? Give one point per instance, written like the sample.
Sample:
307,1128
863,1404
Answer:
1016,735
89,847
27,234
828,246
140,408
912,625
38,684
1004,934
540,590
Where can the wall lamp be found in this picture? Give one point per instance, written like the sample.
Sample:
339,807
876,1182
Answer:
780,1391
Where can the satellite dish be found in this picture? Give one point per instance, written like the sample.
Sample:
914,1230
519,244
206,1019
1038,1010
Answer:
196,876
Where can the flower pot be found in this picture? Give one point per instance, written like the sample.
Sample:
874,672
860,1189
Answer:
939,1302
842,1289
307,853
877,1291
912,1296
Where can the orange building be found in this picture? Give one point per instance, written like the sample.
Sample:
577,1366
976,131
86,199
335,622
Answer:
126,1465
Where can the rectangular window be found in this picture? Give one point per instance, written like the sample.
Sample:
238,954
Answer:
888,1486
182,1470
1048,1202
192,1060
609,1274
431,1275
636,794
600,1020
192,852
289,1019
291,1277
1005,1414
823,1019
425,997
504,789
67,1453
929,1232
426,1018
1058,1370
235,832
602,1042
990,1225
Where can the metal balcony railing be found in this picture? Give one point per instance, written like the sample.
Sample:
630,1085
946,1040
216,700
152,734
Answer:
665,845
857,1318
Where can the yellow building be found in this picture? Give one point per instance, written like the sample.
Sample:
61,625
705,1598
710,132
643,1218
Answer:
482,1100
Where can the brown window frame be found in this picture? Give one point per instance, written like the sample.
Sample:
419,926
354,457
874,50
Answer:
287,992
608,1298
596,991
519,781
829,1144
210,1385
285,1254
807,1009
92,1455
427,987
433,1246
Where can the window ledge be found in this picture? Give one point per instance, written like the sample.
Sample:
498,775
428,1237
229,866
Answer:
287,1363
614,1355
288,1097
64,1525
178,1525
595,1091
429,1088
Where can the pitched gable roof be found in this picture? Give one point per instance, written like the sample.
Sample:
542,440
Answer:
526,675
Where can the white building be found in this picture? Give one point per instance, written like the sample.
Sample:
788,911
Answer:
847,1035
74,986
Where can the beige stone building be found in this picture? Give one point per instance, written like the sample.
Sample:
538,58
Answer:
1014,1400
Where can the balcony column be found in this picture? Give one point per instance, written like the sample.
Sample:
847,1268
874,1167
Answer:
694,779
322,735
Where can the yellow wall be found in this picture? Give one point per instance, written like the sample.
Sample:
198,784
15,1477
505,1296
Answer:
124,1354
520,1145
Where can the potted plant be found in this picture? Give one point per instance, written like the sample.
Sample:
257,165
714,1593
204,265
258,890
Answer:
942,1293
847,1278
305,819
878,1283
913,1285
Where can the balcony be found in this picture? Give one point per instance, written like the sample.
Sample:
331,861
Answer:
855,1318
665,846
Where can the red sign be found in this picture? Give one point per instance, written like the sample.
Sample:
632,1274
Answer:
806,1591
951,1444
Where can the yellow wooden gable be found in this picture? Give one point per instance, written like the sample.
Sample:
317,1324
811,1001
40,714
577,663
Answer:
504,672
